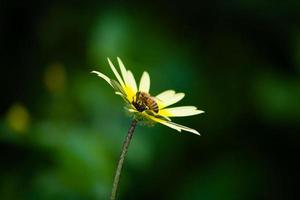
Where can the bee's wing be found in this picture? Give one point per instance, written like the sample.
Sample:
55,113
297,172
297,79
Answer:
157,99
159,102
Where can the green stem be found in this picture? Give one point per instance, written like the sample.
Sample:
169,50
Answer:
121,159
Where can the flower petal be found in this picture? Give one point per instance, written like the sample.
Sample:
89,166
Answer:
119,90
145,82
116,85
168,98
123,71
102,76
119,93
164,96
181,111
173,125
185,128
132,110
174,99
153,114
131,81
116,73
164,123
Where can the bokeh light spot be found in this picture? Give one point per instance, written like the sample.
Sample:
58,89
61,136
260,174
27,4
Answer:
55,78
18,118
111,30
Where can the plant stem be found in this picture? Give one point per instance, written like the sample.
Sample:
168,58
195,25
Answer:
121,159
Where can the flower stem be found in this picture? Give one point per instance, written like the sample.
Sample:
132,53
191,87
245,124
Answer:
121,159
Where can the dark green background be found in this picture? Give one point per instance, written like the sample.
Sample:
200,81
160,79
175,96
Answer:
62,128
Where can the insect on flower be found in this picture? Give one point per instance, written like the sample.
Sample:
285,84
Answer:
143,101
143,104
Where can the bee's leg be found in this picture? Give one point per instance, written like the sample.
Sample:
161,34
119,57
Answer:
147,107
143,107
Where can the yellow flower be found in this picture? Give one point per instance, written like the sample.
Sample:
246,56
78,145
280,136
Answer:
126,87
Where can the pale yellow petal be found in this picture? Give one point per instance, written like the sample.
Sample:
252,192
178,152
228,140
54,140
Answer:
164,123
164,96
153,114
184,128
116,73
145,83
119,93
131,81
181,111
123,71
132,110
122,95
166,118
115,85
174,99
168,98
173,125
103,77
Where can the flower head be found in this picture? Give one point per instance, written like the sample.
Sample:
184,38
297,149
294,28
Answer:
142,104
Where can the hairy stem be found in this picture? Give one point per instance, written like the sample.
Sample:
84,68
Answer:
121,159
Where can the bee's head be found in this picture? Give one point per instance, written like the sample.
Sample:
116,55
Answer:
138,94
138,103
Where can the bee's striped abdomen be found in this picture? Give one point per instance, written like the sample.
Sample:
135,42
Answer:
153,106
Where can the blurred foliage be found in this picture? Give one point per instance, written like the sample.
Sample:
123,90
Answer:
62,128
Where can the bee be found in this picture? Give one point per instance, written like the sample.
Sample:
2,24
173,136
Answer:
143,101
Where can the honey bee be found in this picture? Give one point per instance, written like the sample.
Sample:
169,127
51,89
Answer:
143,101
